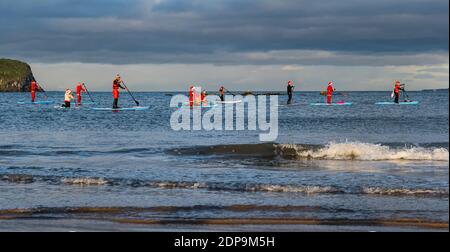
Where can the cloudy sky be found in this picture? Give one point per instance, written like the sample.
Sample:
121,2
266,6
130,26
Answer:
243,44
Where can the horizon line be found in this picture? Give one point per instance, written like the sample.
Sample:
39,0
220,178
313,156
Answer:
254,91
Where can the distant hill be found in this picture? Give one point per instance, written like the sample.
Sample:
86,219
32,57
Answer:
15,76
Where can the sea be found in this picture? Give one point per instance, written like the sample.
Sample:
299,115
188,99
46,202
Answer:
362,167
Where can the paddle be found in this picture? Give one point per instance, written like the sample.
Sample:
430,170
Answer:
87,91
229,91
137,103
406,94
45,94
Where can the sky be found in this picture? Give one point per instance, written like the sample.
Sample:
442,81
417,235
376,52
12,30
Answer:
168,45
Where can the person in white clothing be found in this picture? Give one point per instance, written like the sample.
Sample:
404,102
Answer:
68,96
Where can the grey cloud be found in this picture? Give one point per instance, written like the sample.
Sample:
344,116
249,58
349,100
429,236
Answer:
227,31
424,76
285,57
435,70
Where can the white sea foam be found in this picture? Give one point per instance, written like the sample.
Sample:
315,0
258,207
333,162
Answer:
183,185
246,187
364,151
85,181
402,191
275,188
292,189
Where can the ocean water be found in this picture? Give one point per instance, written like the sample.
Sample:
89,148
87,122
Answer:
362,164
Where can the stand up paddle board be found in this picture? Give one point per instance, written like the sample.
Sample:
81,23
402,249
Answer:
289,105
333,104
123,109
62,107
85,103
400,103
187,105
36,102
228,102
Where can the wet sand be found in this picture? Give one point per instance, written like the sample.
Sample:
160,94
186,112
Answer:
80,225
28,223
140,219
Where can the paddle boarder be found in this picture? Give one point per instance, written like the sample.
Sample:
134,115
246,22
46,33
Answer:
191,96
33,87
222,93
198,96
80,89
195,96
203,98
397,89
115,86
67,98
290,90
330,91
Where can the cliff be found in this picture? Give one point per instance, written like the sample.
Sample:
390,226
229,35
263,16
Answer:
15,76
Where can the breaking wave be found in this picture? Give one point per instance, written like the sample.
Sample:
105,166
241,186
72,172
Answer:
362,151
331,151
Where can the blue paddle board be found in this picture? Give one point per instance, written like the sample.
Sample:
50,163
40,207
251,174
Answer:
333,104
228,102
36,102
187,106
85,103
123,109
289,105
62,107
400,103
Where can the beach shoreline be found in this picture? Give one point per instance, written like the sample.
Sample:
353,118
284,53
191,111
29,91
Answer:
106,219
83,225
